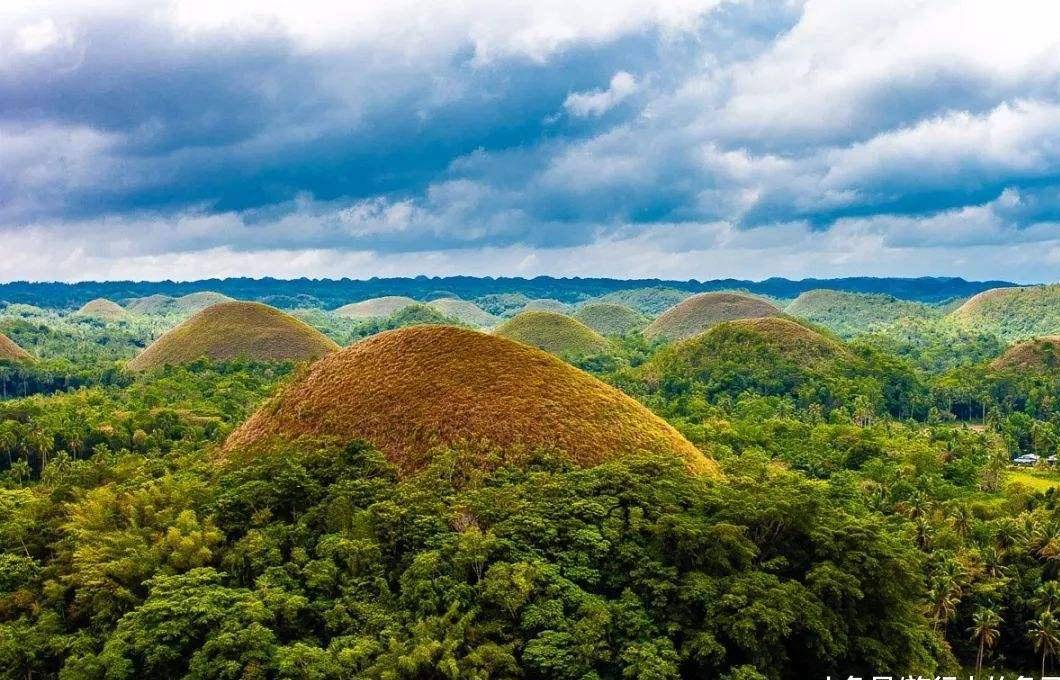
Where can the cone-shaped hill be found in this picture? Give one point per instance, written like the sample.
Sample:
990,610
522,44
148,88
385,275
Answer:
9,351
770,355
554,333
103,309
849,314
1017,313
545,305
1033,356
375,308
232,330
414,389
464,311
701,312
611,318
186,304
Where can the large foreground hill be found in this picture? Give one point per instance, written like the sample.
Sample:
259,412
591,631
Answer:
410,390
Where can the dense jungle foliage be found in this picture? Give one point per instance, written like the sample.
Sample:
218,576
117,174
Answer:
870,521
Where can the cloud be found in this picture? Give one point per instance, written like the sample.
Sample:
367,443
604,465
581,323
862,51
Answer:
757,137
599,102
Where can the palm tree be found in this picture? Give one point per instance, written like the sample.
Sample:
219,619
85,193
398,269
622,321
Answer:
1044,634
1047,597
985,622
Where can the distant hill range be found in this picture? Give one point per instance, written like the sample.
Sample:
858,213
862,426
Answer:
333,293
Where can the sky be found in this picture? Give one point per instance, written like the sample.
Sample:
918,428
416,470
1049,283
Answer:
187,139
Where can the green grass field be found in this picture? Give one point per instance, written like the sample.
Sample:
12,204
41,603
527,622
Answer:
1039,480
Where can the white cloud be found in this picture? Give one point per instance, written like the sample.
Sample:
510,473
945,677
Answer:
599,102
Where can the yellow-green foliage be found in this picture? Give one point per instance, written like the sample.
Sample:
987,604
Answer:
651,301
1011,313
104,309
554,333
1034,355
9,351
850,314
412,390
701,312
186,304
375,308
233,330
464,311
611,318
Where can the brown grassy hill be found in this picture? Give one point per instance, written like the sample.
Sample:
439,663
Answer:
611,318
464,311
375,308
411,390
233,330
701,312
104,309
552,332
9,351
1034,355
1017,313
152,304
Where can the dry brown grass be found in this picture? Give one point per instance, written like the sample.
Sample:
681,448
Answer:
412,390
1037,354
701,312
232,330
554,333
9,351
375,308
104,309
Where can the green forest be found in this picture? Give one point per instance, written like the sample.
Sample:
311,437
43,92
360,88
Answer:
863,511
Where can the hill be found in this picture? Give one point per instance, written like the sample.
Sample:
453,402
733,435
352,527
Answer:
231,330
104,309
768,355
464,311
10,351
650,301
185,304
1034,355
410,390
1011,313
375,308
552,332
545,305
701,312
610,318
849,314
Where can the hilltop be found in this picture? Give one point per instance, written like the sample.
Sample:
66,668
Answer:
10,351
610,318
464,311
650,301
552,332
104,309
411,390
1011,313
701,312
849,314
545,305
185,304
375,308
1034,355
231,330
768,355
